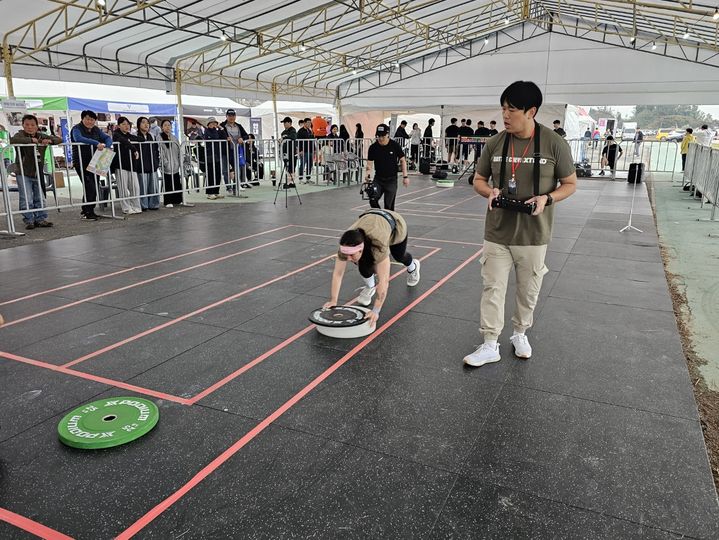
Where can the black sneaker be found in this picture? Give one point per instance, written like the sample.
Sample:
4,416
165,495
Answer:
44,223
89,217
29,226
291,185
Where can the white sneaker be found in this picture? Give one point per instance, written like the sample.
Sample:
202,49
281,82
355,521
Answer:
485,354
169,206
365,296
522,348
413,277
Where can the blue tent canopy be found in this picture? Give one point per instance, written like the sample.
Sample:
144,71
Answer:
155,109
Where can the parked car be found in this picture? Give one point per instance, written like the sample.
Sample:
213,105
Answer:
670,135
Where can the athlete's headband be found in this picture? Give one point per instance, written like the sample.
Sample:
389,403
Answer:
351,250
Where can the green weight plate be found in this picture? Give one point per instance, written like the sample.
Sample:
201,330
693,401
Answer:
108,422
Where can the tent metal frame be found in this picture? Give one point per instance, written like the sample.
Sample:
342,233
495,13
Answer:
339,48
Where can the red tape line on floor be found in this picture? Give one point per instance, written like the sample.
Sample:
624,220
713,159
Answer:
41,531
144,265
259,428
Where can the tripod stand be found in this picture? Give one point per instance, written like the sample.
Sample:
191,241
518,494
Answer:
468,169
629,226
282,181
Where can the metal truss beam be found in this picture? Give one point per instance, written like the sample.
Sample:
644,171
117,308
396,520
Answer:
215,80
386,57
670,48
297,38
71,19
533,27
441,59
663,22
665,31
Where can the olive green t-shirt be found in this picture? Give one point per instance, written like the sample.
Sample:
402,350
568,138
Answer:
515,228
379,231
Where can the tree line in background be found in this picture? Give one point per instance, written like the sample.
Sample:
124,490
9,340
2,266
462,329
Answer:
658,116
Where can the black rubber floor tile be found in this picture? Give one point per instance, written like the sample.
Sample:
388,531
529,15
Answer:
36,279
250,271
284,320
261,390
635,465
32,307
620,355
425,415
640,291
480,510
560,245
10,532
191,372
53,326
291,485
131,359
95,336
40,475
144,294
29,395
636,251
230,313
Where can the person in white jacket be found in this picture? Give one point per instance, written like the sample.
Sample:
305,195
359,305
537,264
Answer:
704,135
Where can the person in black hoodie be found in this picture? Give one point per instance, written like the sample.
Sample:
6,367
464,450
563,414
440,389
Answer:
401,132
483,132
87,138
466,131
125,166
428,139
359,134
305,149
149,163
344,134
451,132
213,161
289,140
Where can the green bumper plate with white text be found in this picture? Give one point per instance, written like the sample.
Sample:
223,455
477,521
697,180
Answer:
108,422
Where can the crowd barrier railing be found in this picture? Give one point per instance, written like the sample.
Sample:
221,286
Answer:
701,175
146,175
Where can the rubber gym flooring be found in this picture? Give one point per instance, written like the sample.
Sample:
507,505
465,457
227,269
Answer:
269,430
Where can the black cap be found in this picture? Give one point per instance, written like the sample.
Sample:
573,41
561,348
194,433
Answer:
382,129
230,111
287,119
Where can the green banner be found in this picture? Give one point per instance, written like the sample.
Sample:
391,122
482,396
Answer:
45,103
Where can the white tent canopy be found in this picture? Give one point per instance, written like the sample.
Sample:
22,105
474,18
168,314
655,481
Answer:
568,70
124,94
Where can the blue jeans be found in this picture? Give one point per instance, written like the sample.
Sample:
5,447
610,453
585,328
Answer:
28,186
148,190
306,163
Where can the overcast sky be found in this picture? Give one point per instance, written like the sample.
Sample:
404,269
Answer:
711,109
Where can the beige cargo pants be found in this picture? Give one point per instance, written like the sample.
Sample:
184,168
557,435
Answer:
497,262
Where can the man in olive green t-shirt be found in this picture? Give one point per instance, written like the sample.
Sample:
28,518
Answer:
518,239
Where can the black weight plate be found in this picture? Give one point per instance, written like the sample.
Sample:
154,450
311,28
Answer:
338,316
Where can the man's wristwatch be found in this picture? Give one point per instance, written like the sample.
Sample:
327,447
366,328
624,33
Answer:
405,177
550,200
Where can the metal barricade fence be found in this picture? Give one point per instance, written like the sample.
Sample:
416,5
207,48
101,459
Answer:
703,176
148,174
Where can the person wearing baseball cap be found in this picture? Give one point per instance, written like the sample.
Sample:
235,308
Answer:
215,154
236,137
382,157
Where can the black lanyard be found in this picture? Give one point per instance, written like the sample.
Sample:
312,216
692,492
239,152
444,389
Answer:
505,153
